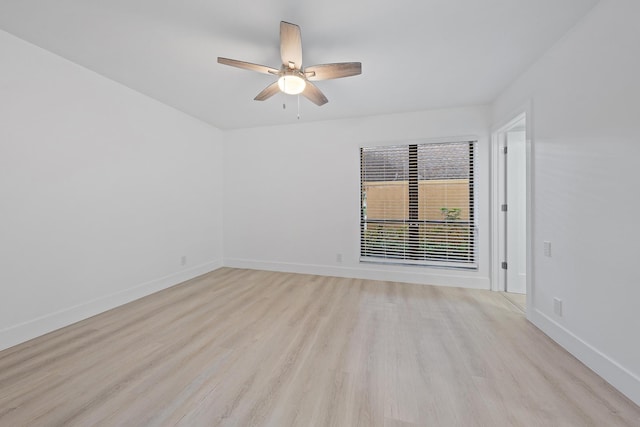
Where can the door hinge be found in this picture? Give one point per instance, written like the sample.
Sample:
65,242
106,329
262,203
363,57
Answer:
504,149
503,208
504,265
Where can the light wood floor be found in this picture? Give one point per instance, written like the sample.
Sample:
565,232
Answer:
519,300
252,348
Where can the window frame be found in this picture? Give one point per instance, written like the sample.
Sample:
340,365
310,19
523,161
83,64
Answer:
412,221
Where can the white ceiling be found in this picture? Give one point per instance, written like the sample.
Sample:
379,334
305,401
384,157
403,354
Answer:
415,55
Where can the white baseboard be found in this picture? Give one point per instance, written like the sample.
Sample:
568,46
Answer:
25,331
611,371
417,275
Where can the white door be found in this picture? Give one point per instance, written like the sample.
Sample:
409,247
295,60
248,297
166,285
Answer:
516,214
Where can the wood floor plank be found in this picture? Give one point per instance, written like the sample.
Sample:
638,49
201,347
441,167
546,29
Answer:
255,348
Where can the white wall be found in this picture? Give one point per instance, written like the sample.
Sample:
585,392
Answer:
102,191
292,194
586,148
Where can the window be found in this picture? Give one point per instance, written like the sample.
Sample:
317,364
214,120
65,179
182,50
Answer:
417,204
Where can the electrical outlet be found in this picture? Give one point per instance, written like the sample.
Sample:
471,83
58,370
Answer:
183,260
339,258
547,249
557,306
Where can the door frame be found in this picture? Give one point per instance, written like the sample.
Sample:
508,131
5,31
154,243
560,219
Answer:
497,139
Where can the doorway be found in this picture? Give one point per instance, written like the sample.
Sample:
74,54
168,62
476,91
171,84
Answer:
510,207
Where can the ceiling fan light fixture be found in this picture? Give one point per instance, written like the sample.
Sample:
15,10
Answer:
291,84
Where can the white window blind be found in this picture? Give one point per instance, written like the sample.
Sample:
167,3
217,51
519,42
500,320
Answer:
417,204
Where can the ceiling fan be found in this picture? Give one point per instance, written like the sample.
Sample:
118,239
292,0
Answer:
292,78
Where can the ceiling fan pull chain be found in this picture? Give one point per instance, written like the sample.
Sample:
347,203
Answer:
298,107
284,101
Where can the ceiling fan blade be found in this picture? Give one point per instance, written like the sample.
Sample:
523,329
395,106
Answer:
248,66
268,92
333,71
290,45
313,94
